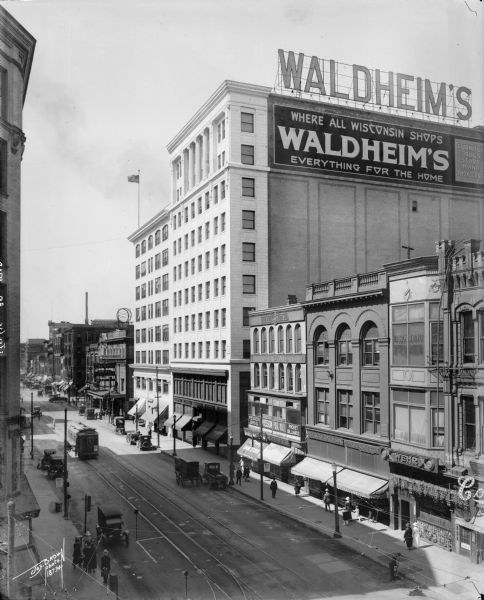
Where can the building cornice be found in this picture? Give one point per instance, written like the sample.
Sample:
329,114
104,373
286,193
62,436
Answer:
157,219
225,88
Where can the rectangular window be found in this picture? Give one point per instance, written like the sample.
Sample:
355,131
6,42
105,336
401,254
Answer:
248,284
166,357
199,206
222,189
468,423
438,427
215,195
207,349
215,287
345,409
371,413
248,252
207,260
224,317
164,257
207,290
207,319
215,257
200,320
322,400
164,310
223,285
247,122
246,349
222,253
215,318
468,341
207,230
248,187
200,291
408,335
222,222
248,219
245,315
193,322
410,423
192,265
247,154
207,200
215,226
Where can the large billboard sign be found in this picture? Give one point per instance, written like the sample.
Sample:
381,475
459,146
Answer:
312,78
324,142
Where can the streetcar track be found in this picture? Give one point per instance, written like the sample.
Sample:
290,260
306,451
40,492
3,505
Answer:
174,500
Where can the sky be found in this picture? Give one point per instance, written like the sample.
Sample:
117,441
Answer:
112,82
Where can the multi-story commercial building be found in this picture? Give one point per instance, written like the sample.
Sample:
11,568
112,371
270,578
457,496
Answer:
16,54
277,407
152,390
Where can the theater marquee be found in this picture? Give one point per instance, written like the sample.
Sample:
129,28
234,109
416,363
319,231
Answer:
328,143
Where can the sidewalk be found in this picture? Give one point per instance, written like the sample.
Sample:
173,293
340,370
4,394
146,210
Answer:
49,531
440,574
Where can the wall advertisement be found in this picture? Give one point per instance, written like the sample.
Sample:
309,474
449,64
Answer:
311,141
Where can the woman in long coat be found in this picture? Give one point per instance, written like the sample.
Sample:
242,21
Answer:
408,536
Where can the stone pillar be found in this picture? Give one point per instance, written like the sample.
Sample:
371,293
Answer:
206,153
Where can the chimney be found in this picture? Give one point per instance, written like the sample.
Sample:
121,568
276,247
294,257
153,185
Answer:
87,309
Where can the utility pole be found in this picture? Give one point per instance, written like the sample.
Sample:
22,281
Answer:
157,407
32,425
65,486
261,460
408,249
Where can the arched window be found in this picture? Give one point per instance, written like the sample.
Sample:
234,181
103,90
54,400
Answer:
263,340
272,347
255,342
271,376
345,351
143,246
371,351
138,250
289,379
165,232
321,347
256,376
281,377
150,242
288,339
280,339
297,338
264,376
297,379
157,237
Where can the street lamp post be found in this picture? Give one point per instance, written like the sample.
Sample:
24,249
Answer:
65,482
231,461
32,425
157,408
173,431
336,533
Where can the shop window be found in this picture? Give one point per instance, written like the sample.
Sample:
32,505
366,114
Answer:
468,338
408,336
468,423
345,409
344,346
288,339
371,413
322,404
371,351
322,347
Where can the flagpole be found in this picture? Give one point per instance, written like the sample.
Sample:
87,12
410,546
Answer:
139,185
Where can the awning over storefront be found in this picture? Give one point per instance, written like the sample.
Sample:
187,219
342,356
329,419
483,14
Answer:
278,455
203,429
84,388
251,449
138,409
163,417
183,422
216,433
360,484
313,468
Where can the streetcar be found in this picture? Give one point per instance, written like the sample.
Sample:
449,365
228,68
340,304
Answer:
84,440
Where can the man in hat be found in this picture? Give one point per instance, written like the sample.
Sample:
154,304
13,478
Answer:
347,511
327,500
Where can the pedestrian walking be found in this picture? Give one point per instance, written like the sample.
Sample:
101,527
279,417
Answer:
297,487
408,536
246,472
238,476
273,486
77,553
347,511
416,535
105,566
393,567
327,500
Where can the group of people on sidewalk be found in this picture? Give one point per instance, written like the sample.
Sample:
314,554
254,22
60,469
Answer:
84,556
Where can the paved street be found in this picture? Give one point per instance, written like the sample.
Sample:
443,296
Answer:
230,545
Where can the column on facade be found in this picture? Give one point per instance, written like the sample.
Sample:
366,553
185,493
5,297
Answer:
198,159
191,164
385,408
206,153
186,169
356,399
333,421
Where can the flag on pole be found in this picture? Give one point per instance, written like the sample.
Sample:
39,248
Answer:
133,178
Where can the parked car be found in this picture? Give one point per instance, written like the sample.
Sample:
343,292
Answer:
110,526
132,437
144,442
90,413
44,462
82,410
119,425
56,468
36,411
58,399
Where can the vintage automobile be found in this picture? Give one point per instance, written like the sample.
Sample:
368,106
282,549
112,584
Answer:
44,462
132,437
110,526
81,410
187,471
119,425
56,468
213,476
144,442
90,414
58,399
36,411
